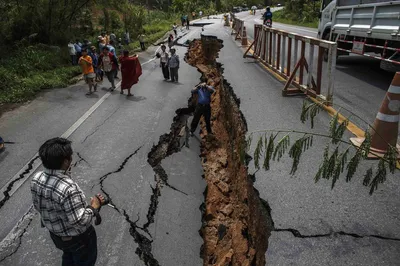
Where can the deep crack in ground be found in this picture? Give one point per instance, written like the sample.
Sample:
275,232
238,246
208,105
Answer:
21,176
144,249
168,144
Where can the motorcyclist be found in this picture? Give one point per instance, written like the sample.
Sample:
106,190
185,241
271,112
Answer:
267,15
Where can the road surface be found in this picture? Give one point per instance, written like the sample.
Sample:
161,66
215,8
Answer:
314,224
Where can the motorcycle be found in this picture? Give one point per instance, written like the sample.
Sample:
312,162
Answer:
268,22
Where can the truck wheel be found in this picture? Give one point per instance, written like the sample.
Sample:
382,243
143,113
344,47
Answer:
390,67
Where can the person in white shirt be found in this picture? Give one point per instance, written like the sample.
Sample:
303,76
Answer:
174,27
164,57
72,53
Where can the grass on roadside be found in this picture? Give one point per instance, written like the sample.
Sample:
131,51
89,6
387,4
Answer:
32,69
279,16
153,32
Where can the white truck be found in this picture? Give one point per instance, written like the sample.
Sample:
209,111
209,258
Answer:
365,27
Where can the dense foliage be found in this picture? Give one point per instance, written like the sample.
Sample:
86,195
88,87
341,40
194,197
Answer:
304,11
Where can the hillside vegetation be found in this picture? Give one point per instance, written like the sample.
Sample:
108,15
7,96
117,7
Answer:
301,12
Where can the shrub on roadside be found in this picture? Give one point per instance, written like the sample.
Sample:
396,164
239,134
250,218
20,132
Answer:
32,69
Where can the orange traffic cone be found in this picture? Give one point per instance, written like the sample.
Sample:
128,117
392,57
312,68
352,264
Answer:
386,125
244,37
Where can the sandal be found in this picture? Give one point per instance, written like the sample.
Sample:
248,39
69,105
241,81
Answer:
89,93
122,92
130,94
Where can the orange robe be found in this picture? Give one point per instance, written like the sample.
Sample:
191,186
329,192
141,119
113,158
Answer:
131,70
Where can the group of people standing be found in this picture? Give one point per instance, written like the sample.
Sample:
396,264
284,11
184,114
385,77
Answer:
185,21
93,65
169,63
105,62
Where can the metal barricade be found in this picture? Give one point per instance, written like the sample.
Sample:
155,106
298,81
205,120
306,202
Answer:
237,28
290,55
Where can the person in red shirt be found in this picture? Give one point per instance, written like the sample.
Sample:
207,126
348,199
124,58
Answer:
130,70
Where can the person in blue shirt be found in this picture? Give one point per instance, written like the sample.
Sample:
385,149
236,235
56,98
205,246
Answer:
203,107
267,15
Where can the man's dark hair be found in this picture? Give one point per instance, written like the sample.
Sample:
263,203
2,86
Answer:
126,52
54,151
106,48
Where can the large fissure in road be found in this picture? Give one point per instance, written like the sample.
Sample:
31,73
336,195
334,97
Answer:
236,222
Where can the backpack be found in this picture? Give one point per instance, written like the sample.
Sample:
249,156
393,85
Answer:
107,64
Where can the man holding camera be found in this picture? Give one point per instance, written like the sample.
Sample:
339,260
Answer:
62,205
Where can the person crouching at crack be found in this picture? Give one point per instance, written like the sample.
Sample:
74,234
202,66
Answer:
203,107
62,206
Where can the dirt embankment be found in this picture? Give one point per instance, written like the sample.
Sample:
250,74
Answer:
236,224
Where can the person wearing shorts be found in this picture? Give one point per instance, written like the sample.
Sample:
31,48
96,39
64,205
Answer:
86,62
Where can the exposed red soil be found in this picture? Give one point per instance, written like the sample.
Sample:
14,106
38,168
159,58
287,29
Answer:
236,225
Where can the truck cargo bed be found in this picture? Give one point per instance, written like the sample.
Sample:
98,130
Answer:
375,19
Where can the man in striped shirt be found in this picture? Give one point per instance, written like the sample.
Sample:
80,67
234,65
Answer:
62,205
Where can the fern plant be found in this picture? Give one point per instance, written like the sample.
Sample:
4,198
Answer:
338,156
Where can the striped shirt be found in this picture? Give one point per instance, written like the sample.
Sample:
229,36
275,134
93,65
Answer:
61,203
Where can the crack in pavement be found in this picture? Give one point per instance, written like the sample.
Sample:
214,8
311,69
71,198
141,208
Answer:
296,233
30,216
120,168
21,176
98,127
144,249
168,144
81,159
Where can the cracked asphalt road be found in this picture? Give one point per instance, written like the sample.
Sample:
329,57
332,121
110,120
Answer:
110,154
308,217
